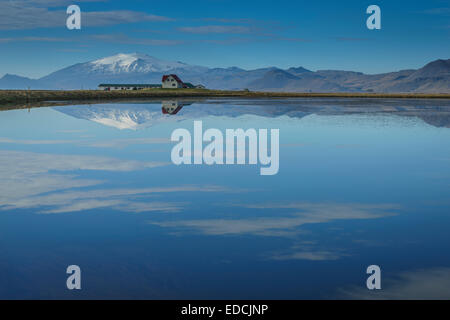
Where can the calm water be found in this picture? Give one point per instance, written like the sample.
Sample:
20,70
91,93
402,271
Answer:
361,182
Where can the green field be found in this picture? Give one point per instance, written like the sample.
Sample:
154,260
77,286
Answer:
25,97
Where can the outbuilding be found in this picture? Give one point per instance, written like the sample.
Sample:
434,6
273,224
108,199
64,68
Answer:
122,86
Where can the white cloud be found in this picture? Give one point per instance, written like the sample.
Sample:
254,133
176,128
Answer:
32,14
217,29
427,284
34,39
124,39
106,18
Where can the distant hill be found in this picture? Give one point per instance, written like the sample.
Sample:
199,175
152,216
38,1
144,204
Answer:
141,68
298,70
274,79
10,81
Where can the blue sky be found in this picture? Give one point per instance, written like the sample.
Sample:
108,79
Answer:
34,40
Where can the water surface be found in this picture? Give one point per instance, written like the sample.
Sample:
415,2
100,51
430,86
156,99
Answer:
361,182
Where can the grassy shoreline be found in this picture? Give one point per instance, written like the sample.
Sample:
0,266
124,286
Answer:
35,96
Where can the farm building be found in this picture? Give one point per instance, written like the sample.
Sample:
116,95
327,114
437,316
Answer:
172,81
188,85
121,86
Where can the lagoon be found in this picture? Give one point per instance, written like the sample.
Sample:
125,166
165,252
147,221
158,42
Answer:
360,182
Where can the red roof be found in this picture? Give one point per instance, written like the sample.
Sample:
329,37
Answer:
164,111
164,78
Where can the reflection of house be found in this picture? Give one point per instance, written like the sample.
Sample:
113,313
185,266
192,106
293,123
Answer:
172,81
172,106
121,86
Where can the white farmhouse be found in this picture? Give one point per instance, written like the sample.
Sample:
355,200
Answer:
172,81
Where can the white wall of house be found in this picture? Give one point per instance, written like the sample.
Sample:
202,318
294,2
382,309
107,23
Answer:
171,83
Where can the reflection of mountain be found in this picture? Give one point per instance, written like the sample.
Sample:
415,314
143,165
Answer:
130,117
140,115
136,116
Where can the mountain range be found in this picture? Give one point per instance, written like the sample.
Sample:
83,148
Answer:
141,68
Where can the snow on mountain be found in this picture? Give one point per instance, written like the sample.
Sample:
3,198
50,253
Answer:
120,68
134,62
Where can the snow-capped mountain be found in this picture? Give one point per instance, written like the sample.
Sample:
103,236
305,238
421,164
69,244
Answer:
120,68
134,62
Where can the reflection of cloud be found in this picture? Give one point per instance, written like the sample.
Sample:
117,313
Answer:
112,143
30,163
348,146
35,180
80,205
118,143
293,145
71,131
307,250
127,200
411,285
42,181
25,173
33,142
124,205
308,255
311,213
332,210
